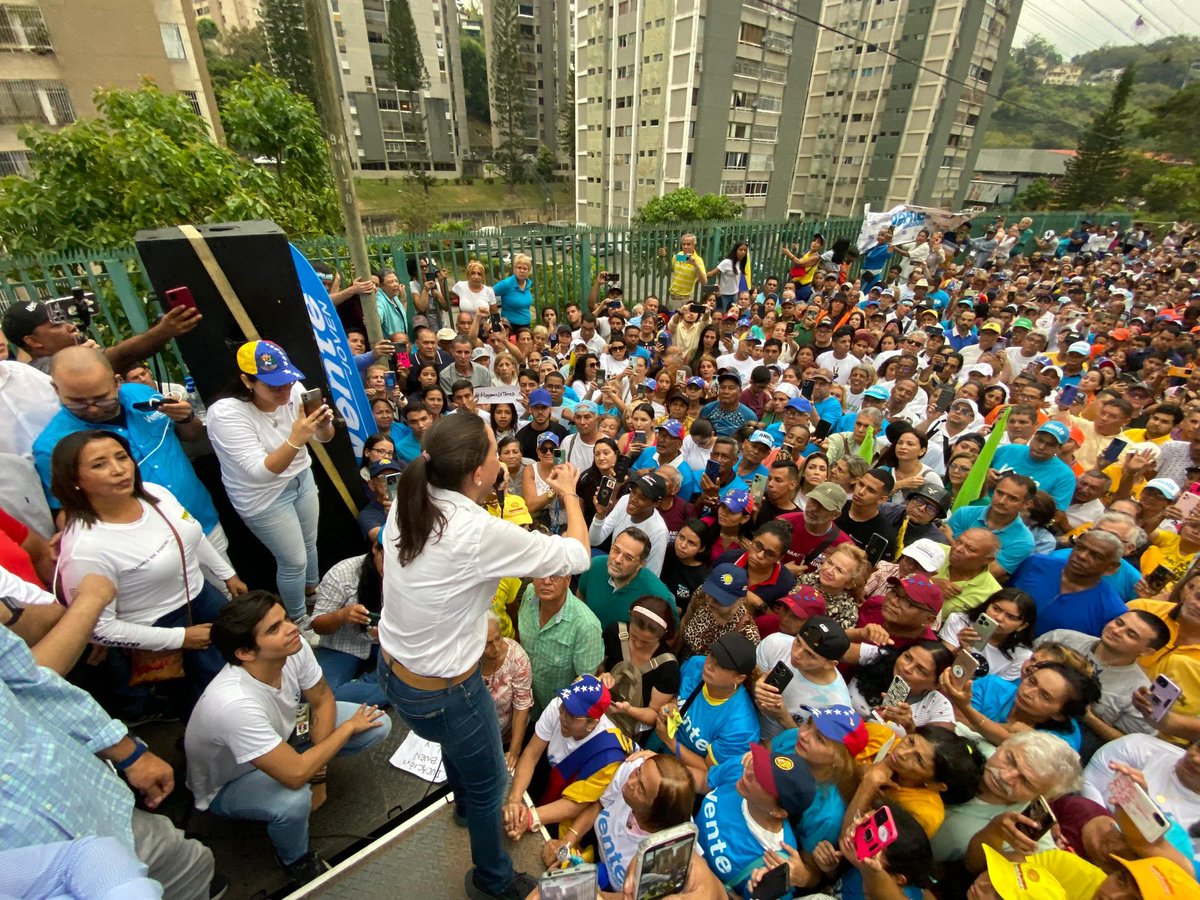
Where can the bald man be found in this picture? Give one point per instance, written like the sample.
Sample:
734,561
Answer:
90,397
965,577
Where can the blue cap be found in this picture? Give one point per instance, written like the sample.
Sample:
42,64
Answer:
1057,430
673,427
743,321
540,397
267,362
586,406
841,724
548,437
802,404
696,381
586,696
650,384
738,501
726,583
386,465
877,392
762,437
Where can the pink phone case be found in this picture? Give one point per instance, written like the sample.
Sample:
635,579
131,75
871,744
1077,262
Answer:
874,834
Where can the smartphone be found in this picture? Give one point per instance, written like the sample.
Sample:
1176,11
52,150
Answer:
1039,811
822,430
785,453
985,626
712,469
621,469
608,484
1187,503
897,692
389,381
780,676
392,482
1163,694
876,548
697,308
312,401
1159,578
806,388
773,885
965,666
612,278
373,619
1067,395
758,487
639,437
558,457
180,296
875,834
791,328
576,883
494,322
944,398
1142,811
663,862
681,257
1175,371
149,405
1113,450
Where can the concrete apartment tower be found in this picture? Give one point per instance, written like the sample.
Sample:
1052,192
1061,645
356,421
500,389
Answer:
57,52
388,129
229,14
750,101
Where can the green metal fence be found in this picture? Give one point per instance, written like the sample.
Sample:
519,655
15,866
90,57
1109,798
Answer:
566,261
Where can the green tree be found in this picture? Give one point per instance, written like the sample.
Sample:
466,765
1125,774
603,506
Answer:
509,93
545,163
1038,194
475,79
207,29
145,161
1174,125
231,57
263,118
1176,191
287,42
566,127
1092,175
685,205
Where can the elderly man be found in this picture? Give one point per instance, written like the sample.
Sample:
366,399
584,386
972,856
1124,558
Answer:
1086,506
1122,526
1071,592
578,447
560,635
614,581
965,577
918,516
91,399
638,508
462,367
673,508
668,451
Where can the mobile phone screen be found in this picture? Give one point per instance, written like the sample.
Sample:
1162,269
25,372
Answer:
1113,450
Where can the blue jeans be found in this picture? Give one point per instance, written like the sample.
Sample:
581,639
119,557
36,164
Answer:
463,720
727,300
288,528
352,679
258,796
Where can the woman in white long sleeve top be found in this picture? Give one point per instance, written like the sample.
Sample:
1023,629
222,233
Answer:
139,538
260,434
444,557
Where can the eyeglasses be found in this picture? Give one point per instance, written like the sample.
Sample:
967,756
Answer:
106,405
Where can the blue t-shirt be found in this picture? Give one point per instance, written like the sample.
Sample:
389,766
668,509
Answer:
716,730
727,422
689,486
994,697
1122,581
407,446
730,849
1087,611
156,449
1016,540
514,299
875,259
1053,475
829,409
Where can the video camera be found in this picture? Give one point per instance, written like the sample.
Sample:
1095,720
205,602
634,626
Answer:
81,305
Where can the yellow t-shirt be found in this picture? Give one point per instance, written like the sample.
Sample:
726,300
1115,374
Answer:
923,804
1179,662
684,275
506,594
1138,436
1164,550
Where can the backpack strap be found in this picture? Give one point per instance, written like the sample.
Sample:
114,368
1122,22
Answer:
623,636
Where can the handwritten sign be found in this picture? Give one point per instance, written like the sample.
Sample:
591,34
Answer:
502,394
420,757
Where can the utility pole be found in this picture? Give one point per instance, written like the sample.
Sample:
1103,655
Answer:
325,65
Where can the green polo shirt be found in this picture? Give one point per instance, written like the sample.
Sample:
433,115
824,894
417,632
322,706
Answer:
972,592
611,604
567,646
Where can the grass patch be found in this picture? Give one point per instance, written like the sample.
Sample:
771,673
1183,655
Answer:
377,196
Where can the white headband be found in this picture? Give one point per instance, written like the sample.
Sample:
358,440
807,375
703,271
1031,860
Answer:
652,616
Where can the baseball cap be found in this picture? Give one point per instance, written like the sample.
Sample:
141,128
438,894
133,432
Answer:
730,315
921,282
1159,878
696,381
887,292
877,392
738,501
928,554
1083,348
733,651
650,384
784,776
805,602
937,494
826,637
1057,430
267,362
652,485
822,375
729,376
920,590
991,326
1164,486
549,437
673,427
862,335
1023,323
1119,334
585,696
726,584
1021,881
21,319
587,406
829,494
479,353
762,437
540,397
446,334
801,404
841,724
385,465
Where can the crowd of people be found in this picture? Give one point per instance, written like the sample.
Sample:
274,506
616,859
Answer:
860,541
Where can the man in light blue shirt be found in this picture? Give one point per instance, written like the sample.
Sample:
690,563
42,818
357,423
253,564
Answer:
1002,517
1039,460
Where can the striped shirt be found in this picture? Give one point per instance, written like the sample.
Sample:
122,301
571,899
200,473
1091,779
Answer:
338,589
684,275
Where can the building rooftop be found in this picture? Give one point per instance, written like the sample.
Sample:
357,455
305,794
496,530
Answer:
1040,162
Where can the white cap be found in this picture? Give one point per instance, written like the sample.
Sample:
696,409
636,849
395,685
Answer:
926,553
1083,348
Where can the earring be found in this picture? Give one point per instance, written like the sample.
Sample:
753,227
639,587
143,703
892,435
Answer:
478,483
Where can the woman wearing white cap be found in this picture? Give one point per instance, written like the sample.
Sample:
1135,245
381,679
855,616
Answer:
260,431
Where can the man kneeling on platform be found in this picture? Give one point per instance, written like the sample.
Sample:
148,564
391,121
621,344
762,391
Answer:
241,763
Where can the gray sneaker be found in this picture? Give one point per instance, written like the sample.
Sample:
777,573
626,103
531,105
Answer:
304,623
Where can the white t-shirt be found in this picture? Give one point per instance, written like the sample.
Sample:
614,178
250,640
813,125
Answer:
142,560
618,520
841,368
1008,668
775,648
239,718
470,302
243,436
22,592
578,453
549,729
742,366
617,831
729,280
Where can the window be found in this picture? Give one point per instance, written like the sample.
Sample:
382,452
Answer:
762,162
765,132
752,34
23,28
525,9
739,132
743,100
193,100
733,188
756,188
172,39
736,160
35,101
15,162
769,104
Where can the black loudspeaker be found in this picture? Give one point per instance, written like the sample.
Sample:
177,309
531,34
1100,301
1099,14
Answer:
257,262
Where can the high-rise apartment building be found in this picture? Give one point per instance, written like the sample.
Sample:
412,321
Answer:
57,52
547,34
391,130
229,14
747,100
884,130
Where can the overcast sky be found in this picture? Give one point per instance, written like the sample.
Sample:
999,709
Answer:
1075,26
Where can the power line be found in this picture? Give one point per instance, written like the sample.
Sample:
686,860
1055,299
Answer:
1055,26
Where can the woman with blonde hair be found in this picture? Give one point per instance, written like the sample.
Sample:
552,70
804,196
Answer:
515,292
840,580
473,296
504,370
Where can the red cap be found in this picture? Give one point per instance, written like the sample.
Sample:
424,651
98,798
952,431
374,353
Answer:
806,602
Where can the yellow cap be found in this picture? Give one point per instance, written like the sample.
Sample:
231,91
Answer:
1021,881
1160,879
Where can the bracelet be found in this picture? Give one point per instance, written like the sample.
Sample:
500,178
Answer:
139,747
191,418
564,496
288,440
570,829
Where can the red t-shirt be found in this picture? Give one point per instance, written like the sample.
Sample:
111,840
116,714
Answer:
12,556
804,543
871,613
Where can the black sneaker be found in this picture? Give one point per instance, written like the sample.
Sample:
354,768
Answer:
520,888
306,868
460,816
218,887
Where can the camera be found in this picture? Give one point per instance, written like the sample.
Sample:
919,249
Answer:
80,305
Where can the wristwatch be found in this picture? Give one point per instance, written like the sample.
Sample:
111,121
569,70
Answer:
15,609
138,749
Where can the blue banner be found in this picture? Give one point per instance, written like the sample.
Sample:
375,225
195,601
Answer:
349,396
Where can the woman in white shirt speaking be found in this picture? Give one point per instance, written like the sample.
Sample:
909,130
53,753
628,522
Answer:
139,538
260,431
444,556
